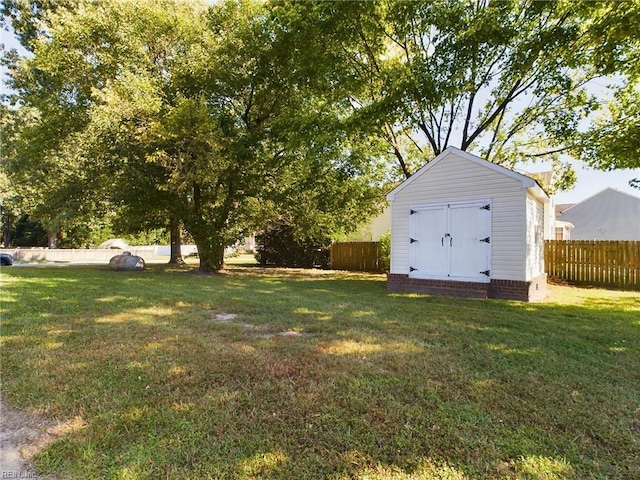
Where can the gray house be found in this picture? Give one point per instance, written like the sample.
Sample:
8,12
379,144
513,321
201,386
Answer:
608,215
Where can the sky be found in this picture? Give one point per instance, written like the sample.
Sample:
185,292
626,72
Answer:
592,181
589,181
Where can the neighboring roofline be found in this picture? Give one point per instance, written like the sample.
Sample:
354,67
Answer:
527,182
567,206
599,193
562,223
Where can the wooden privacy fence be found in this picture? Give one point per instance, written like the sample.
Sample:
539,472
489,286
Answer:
356,256
594,262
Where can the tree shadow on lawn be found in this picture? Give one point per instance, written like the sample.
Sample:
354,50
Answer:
377,384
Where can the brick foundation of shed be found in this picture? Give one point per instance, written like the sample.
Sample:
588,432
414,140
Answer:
530,291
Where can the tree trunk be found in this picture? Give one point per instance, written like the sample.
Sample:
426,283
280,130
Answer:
206,233
176,242
8,230
52,239
211,258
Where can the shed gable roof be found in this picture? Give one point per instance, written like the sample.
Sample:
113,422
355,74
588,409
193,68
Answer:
525,181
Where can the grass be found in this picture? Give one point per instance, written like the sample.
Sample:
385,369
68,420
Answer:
319,375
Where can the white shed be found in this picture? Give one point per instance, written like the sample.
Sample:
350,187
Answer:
463,226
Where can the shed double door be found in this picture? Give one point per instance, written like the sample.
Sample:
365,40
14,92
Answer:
451,241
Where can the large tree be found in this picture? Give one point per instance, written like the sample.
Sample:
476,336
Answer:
612,139
45,184
508,80
50,93
191,112
103,76
263,139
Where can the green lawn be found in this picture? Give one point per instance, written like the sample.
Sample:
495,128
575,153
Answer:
319,375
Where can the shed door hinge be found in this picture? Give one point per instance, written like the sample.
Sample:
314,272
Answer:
412,240
486,240
411,212
411,269
486,207
486,272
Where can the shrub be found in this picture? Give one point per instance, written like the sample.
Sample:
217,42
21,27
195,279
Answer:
278,245
28,233
384,260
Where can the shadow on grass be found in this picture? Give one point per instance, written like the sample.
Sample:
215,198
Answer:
372,384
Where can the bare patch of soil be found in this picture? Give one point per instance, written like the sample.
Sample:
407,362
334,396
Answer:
229,318
21,437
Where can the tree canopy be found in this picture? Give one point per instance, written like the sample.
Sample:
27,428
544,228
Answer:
188,111
511,80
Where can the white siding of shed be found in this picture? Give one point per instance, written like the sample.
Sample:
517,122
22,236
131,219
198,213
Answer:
456,179
535,238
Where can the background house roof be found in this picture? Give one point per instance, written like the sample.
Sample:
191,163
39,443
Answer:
561,207
607,215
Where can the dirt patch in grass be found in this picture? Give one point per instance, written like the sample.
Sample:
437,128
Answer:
230,319
21,437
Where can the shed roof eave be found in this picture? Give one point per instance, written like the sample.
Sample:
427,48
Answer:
538,193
